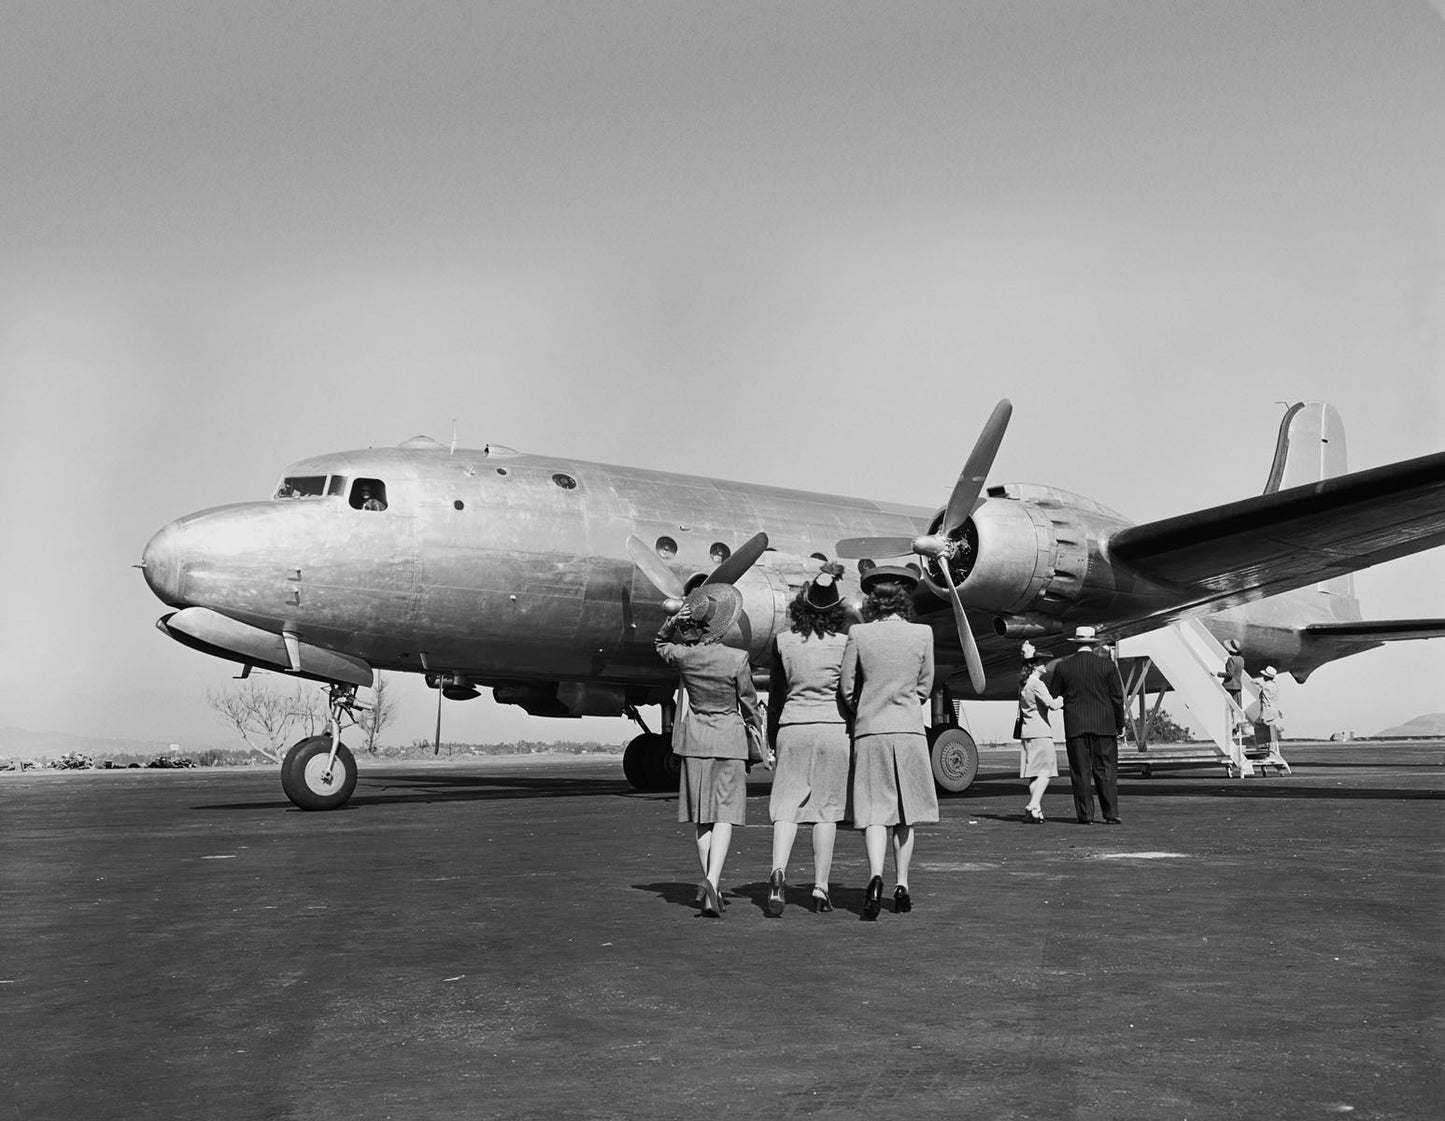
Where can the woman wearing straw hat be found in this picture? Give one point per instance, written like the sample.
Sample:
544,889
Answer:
807,729
1038,759
886,676
711,737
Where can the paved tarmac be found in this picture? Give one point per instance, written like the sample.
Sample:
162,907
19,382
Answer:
516,939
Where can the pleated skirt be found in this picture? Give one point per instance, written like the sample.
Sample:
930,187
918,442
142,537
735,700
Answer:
810,779
1038,757
893,780
712,790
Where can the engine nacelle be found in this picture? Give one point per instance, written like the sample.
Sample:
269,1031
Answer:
1024,555
768,589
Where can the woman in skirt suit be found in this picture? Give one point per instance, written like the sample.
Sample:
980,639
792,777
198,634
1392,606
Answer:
808,732
1038,760
886,677
711,737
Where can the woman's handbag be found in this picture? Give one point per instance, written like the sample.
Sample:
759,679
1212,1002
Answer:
1019,725
757,751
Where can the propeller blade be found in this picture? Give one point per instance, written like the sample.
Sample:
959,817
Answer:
664,579
975,471
856,548
437,743
731,570
965,634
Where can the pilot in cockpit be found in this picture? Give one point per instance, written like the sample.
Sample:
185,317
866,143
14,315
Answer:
370,502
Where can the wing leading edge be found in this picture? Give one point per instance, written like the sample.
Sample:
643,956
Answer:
1262,546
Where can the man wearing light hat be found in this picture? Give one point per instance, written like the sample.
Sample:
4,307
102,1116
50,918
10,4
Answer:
1093,699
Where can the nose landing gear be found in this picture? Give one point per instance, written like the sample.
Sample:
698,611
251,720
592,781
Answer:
319,772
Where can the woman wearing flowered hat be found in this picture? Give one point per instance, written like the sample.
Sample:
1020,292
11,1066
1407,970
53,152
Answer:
711,736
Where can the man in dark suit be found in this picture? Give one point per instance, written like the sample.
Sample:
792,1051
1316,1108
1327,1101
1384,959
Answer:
1093,721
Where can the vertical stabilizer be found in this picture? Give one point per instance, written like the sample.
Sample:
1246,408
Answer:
1311,447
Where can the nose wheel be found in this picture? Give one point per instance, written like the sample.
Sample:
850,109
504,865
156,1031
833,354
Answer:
319,773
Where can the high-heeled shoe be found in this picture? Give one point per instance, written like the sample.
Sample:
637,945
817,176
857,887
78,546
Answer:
711,905
902,901
775,893
821,902
873,899
1034,816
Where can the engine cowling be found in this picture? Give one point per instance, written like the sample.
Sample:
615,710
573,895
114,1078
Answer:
1024,555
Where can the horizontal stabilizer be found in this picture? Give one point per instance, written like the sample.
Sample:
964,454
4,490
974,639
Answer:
1381,630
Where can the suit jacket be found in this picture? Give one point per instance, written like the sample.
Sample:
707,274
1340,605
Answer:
1093,696
887,675
720,698
803,680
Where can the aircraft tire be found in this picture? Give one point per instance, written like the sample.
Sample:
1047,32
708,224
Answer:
955,760
665,768
303,768
634,761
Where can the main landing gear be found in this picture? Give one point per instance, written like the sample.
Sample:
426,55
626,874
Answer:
951,749
648,761
319,773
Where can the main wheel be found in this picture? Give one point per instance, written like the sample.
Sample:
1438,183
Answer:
634,761
955,760
649,764
305,780
664,768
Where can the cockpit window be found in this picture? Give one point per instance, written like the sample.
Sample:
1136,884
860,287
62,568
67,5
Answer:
337,485
302,486
368,494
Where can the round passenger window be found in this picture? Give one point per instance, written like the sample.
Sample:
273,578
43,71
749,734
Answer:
459,504
565,481
666,548
719,552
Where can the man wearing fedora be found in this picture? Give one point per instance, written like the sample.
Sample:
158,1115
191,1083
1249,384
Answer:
1093,700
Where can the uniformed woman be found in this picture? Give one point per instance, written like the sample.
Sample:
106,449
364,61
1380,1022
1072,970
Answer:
711,736
808,732
886,678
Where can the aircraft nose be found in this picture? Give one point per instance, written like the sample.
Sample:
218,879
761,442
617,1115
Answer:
162,564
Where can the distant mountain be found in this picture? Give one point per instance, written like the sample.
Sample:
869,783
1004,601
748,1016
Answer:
21,743
1431,724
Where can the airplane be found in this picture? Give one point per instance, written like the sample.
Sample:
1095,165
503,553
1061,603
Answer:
545,578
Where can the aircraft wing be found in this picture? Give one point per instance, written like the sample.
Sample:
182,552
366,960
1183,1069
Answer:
1262,546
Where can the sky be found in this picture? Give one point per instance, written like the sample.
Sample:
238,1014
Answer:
804,244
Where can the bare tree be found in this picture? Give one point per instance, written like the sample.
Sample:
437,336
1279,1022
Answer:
268,719
373,721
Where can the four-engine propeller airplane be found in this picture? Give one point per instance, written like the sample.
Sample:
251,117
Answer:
545,579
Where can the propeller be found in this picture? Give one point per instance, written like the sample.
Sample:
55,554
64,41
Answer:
666,581
731,570
942,545
437,743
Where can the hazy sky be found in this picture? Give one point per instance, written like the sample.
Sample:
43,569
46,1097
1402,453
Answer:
805,244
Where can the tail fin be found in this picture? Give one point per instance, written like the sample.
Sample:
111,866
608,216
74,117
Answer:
1311,447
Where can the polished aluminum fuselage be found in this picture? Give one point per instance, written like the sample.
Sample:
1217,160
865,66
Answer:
509,569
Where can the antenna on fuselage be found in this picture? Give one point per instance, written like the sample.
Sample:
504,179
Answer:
453,450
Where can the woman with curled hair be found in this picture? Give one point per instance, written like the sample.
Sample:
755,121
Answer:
1038,759
885,679
808,732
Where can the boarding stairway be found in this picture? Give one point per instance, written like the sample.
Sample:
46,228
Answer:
1190,658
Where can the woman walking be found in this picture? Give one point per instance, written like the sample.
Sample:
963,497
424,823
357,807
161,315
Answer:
807,730
711,737
1038,760
886,677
